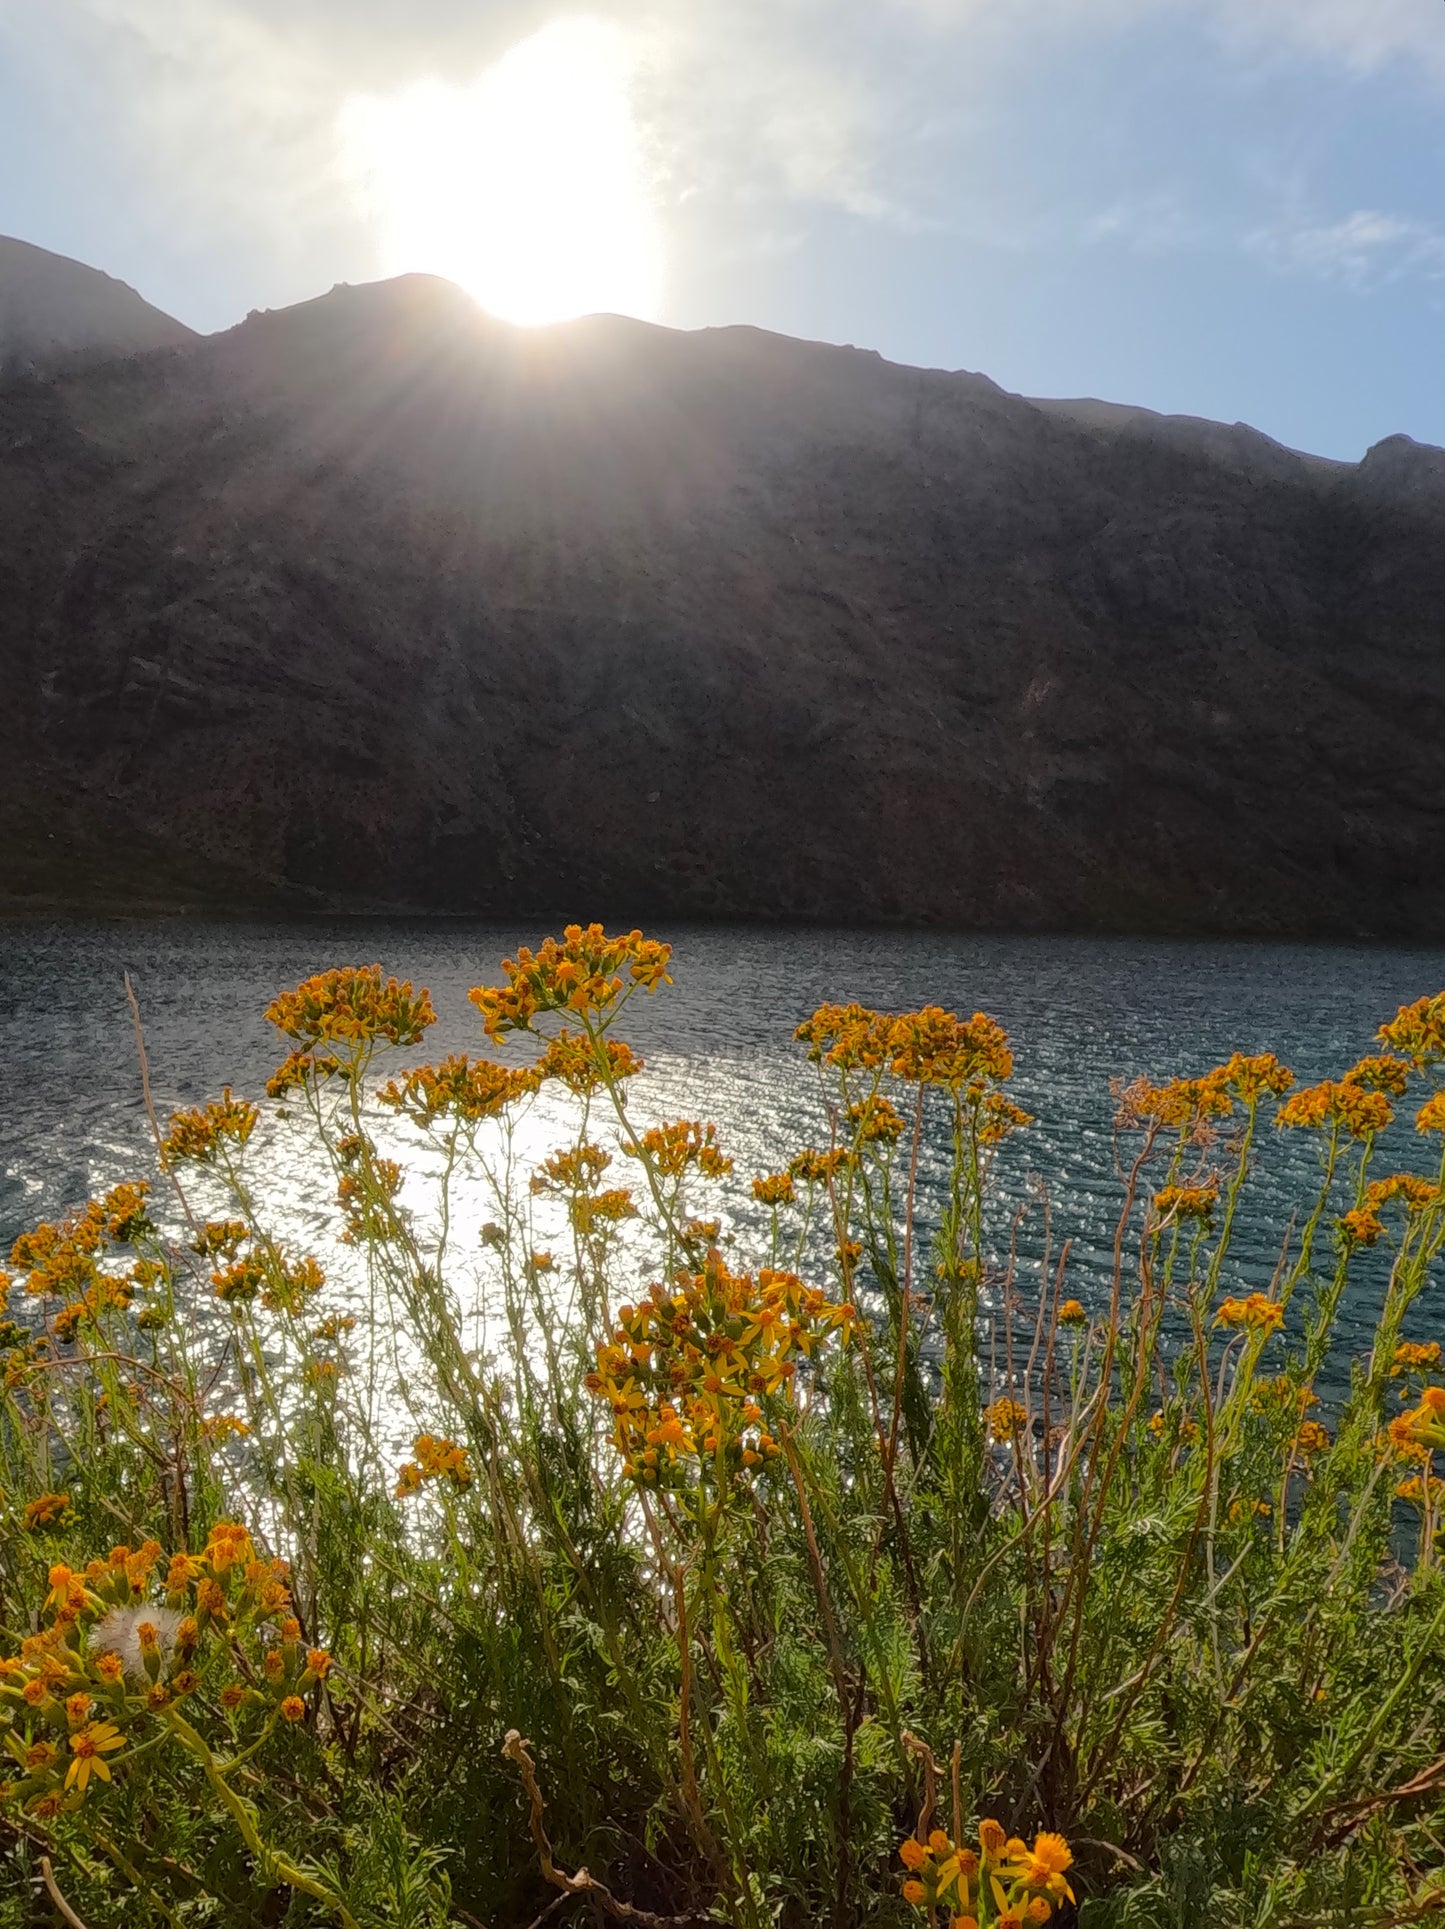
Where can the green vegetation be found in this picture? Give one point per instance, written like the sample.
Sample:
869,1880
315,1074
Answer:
863,1578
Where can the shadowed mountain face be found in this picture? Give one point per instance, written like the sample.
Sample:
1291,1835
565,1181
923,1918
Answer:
54,310
377,603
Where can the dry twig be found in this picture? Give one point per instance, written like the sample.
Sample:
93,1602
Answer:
515,1750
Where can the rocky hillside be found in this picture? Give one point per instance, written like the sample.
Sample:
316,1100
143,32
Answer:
374,602
54,310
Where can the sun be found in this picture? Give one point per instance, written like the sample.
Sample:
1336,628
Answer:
528,185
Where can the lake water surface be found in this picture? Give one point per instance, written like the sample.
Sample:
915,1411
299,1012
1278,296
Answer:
717,1043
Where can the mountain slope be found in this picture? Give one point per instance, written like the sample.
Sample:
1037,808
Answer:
52,308
376,602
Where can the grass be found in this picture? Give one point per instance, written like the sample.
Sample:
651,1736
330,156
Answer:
864,1577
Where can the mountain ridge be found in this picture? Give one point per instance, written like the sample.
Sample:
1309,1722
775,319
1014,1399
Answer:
375,603
54,309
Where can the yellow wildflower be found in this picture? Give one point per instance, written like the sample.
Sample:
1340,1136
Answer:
576,1063
1340,1103
674,1149
198,1135
937,1047
584,973
1005,1419
1258,1313
1417,1032
47,1511
459,1088
352,1008
89,1749
1186,1202
1415,1356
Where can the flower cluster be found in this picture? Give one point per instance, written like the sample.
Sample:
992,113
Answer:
1186,1202
220,1238
673,1149
458,1088
774,1189
1362,1226
131,1640
65,1261
1005,1419
937,1047
597,1212
1004,1884
1381,1073
47,1512
336,1018
1340,1104
1418,1490
875,1121
1282,1398
816,1168
578,1062
575,1174
850,1038
353,1005
1249,1078
577,1168
1189,1103
584,973
999,1118
198,1136
1256,1314
1417,1032
61,1260
365,1191
1415,1356
283,1285
1185,1103
927,1047
436,1459
685,1370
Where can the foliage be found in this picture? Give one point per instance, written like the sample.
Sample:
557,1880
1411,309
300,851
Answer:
707,1592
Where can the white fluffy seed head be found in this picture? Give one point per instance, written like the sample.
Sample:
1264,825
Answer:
118,1632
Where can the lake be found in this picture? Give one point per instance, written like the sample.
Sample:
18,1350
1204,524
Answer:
717,1045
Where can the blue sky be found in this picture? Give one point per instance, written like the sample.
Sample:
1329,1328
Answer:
1231,208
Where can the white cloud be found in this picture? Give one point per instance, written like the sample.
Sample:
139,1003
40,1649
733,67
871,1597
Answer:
221,121
1147,224
1362,36
1361,250
751,112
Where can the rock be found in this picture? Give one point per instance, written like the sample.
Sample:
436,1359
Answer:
377,603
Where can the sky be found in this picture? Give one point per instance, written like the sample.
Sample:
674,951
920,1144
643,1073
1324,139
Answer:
1226,208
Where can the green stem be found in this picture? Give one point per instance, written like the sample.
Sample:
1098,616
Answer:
272,1862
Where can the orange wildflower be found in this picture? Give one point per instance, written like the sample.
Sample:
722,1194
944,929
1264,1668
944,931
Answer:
1186,1202
459,1088
673,1149
1258,1313
1417,1032
1351,1108
1005,1419
197,1136
584,973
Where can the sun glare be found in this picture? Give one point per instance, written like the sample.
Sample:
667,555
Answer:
527,186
